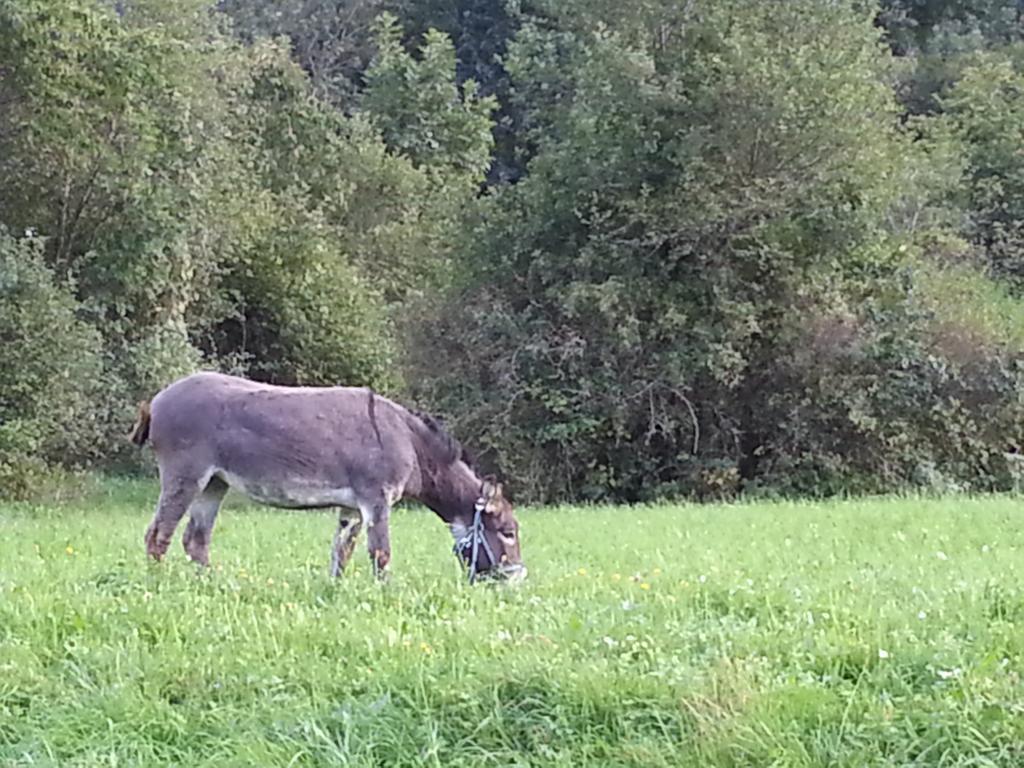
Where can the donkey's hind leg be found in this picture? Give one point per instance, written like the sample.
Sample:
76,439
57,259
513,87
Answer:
177,491
201,517
344,541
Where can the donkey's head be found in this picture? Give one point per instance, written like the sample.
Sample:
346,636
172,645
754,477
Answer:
490,545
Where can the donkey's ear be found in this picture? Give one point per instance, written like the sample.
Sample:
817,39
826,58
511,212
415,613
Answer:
490,488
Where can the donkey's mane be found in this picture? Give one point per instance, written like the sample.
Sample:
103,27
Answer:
449,450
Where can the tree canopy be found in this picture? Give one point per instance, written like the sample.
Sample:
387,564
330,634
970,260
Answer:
628,251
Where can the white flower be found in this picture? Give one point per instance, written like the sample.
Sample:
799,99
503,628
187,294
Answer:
922,615
504,635
947,674
610,642
883,654
941,555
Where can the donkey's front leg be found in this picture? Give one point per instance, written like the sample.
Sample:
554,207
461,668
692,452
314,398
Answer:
202,515
378,538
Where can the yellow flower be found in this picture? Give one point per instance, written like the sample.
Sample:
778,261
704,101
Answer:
270,582
656,571
645,585
69,549
582,571
425,647
616,576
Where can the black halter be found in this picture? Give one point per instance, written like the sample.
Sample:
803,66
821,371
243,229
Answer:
474,539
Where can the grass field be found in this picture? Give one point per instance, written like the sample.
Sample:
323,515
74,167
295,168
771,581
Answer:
878,632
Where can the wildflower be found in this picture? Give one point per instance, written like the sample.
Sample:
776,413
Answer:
684,583
147,596
69,549
582,571
645,586
941,555
270,582
504,635
702,578
616,576
883,654
922,615
425,647
656,571
610,642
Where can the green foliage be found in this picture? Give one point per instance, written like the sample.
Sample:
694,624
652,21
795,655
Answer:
208,207
935,40
51,379
117,150
419,110
332,41
986,108
876,633
307,316
750,247
636,315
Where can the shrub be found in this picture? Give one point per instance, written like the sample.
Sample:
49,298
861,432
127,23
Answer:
49,382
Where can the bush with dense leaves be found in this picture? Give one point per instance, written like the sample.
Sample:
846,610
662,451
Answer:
49,383
702,285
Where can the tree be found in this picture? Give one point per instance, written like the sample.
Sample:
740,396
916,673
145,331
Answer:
208,208
986,111
703,206
417,106
331,41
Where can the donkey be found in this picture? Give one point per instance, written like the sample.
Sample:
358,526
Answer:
311,448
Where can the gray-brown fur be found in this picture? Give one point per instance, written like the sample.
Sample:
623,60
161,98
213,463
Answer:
309,447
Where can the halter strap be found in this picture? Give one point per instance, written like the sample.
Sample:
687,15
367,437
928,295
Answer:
474,539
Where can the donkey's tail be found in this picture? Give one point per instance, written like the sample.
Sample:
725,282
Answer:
140,432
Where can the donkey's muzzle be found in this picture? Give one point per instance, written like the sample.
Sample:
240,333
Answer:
512,573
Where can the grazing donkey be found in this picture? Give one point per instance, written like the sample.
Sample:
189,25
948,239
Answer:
316,447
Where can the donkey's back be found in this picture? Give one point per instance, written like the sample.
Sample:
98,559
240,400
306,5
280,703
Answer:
286,446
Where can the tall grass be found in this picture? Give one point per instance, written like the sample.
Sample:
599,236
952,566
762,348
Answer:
882,632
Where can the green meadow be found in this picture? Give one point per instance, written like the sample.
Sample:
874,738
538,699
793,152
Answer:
872,632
